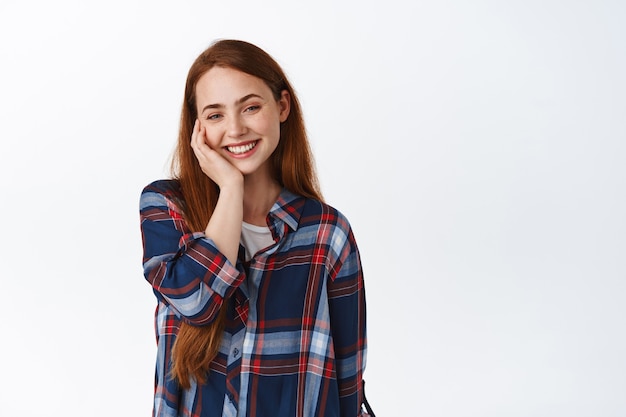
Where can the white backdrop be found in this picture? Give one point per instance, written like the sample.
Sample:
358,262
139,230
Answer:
477,147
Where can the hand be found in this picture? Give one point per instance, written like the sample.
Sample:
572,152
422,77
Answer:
224,226
214,165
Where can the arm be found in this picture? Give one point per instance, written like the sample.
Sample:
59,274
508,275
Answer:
224,227
194,272
346,295
186,270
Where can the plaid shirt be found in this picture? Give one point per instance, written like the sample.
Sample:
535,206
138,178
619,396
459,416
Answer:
294,343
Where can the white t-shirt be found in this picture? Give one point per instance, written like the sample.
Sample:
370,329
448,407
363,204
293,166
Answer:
254,238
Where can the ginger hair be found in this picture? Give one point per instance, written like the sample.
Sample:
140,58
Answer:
292,166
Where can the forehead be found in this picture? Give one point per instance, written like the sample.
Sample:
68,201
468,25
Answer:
227,85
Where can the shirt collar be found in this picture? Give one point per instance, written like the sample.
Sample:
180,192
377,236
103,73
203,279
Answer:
288,208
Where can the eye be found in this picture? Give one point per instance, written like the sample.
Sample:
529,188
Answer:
252,108
213,116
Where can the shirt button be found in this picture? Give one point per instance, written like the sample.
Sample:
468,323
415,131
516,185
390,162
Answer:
235,352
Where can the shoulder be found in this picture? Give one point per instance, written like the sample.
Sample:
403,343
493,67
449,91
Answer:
331,233
318,212
330,227
163,186
160,193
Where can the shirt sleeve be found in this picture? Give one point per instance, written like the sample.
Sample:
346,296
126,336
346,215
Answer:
346,295
185,269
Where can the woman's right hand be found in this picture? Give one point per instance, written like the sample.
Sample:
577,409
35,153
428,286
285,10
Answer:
214,165
224,226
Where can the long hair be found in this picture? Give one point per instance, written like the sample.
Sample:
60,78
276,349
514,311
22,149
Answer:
291,166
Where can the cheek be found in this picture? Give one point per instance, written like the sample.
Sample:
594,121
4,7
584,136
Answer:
270,127
212,136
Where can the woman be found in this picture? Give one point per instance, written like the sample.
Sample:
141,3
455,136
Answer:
261,305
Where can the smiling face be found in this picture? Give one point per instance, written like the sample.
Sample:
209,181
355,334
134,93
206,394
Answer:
241,117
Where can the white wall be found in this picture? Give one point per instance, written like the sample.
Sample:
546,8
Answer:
477,147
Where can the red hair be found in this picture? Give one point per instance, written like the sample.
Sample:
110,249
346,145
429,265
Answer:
291,166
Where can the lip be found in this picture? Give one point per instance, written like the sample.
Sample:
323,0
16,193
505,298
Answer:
244,154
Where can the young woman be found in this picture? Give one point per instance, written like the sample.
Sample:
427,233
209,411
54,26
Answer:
261,305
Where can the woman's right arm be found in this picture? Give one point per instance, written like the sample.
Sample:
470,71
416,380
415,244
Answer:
186,270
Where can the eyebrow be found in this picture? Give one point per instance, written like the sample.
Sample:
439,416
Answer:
240,101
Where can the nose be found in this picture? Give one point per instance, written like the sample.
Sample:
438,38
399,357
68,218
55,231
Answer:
236,127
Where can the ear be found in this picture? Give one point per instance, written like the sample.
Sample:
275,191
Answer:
284,105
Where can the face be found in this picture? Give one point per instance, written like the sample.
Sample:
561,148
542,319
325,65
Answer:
241,117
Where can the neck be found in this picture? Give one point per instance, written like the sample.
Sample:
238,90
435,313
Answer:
259,195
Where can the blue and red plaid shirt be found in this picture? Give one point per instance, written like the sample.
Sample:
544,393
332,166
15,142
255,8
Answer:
294,343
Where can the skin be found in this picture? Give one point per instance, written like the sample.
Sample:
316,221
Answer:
237,110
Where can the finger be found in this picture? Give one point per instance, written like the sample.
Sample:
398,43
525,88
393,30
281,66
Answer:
204,153
192,141
199,142
203,141
194,133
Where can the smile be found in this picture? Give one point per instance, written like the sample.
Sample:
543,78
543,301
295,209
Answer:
238,150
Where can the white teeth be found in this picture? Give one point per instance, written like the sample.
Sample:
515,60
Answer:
241,149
